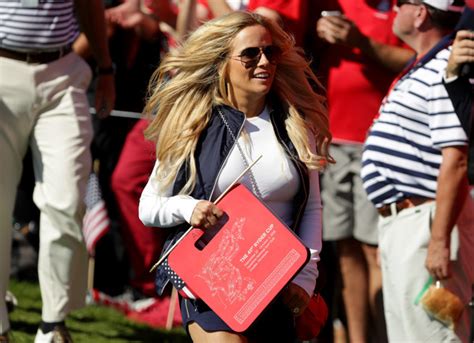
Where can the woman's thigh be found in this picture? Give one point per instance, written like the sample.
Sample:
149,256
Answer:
199,335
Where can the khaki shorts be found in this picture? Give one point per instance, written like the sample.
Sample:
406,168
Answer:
347,210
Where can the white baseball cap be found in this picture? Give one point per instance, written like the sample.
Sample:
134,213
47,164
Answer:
444,5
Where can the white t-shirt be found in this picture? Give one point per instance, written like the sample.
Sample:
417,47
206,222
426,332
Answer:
275,175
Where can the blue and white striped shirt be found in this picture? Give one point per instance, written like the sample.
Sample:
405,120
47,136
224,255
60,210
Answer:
402,153
49,25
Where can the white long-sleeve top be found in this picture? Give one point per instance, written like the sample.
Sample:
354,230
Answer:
276,178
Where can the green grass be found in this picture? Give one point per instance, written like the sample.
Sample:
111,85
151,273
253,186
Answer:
91,324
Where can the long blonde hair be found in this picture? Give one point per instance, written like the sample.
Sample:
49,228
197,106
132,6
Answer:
183,103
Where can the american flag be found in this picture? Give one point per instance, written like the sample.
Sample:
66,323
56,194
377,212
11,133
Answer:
96,221
177,282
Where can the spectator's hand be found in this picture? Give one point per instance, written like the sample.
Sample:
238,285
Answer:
105,95
339,30
462,52
295,298
205,215
127,15
437,259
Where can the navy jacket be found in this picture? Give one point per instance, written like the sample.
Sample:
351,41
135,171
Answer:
212,150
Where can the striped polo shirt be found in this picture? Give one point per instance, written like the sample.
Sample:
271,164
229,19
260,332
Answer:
37,25
402,153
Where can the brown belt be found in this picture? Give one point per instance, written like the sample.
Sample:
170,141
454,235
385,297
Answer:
386,210
36,57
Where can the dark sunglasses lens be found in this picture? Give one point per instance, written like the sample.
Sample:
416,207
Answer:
272,52
250,53
251,56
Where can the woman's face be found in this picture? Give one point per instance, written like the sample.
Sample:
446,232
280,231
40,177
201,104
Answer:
252,64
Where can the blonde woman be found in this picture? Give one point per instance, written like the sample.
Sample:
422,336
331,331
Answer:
239,90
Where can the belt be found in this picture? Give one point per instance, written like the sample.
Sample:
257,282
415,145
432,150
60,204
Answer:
36,57
394,208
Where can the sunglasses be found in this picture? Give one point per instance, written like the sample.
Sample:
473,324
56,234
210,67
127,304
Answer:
250,57
400,3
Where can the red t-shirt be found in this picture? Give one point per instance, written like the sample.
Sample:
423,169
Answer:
355,84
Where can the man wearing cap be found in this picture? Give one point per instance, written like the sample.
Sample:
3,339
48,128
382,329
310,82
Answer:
414,171
43,105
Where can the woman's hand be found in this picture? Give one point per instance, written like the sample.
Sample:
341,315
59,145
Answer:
295,298
205,215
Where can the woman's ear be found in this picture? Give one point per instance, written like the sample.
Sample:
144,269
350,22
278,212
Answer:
224,78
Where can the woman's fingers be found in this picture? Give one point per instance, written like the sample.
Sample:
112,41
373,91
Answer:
205,214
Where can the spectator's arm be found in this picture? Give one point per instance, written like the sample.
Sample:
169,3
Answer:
133,15
450,196
391,57
186,19
92,21
219,7
341,30
148,27
81,47
270,14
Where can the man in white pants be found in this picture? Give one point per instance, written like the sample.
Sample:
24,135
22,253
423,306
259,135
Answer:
43,105
414,171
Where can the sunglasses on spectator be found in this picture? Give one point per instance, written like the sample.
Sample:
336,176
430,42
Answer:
400,3
250,57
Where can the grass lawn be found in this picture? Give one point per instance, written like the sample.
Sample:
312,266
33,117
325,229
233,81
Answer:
91,324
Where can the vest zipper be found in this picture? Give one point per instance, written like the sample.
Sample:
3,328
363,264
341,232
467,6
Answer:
186,306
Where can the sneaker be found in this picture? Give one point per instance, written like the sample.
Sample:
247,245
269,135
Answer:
11,301
60,334
4,337
156,313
